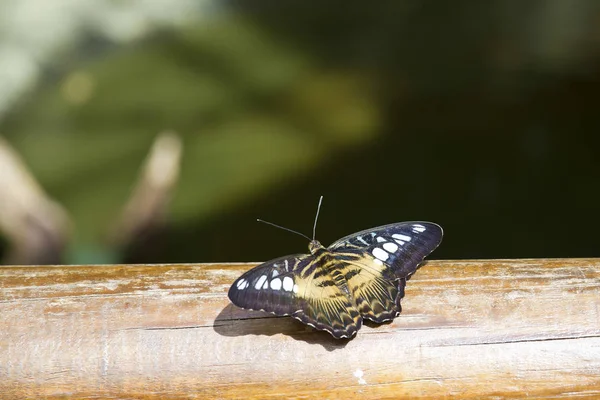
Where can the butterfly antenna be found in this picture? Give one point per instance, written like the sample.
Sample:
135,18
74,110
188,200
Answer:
316,218
281,227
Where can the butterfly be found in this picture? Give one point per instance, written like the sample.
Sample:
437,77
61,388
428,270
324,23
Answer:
360,276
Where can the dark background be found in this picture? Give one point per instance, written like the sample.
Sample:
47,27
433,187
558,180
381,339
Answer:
480,116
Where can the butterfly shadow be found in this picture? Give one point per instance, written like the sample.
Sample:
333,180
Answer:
233,321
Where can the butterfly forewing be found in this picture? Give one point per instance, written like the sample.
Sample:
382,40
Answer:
401,247
271,286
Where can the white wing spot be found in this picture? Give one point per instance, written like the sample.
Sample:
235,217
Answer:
275,273
276,284
288,284
380,239
287,268
241,285
390,247
378,261
380,253
399,236
260,282
295,289
418,228
360,239
266,285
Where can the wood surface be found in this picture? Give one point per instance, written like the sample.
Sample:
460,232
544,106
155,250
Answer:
470,329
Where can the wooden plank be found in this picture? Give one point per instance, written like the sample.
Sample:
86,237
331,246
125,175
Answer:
507,328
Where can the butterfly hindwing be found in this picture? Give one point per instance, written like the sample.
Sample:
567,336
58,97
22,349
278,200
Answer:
374,290
326,299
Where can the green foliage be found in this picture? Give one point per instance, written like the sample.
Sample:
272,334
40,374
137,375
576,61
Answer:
251,111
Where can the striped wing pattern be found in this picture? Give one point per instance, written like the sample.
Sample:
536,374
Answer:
360,276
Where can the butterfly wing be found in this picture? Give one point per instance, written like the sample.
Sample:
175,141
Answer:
401,247
326,301
271,286
298,286
378,261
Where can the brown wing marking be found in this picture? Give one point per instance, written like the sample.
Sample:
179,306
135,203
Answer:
327,305
374,291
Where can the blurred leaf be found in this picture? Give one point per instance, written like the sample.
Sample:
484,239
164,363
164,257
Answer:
252,113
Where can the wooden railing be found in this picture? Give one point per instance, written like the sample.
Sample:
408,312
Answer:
506,328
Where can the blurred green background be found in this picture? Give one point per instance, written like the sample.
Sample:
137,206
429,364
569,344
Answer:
480,116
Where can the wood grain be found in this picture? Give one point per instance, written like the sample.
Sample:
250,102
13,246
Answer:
471,329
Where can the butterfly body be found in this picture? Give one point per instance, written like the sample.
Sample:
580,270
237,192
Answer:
333,289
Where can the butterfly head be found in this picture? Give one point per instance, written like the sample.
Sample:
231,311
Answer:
314,246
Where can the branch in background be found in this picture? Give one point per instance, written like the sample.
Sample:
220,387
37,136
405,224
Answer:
144,215
36,227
